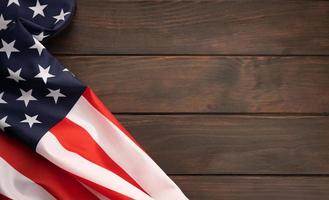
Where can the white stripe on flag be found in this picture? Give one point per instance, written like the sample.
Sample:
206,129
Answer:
50,148
15,185
124,152
94,192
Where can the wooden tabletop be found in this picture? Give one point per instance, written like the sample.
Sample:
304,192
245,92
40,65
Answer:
230,98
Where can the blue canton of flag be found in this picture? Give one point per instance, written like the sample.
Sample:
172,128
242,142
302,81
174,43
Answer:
35,89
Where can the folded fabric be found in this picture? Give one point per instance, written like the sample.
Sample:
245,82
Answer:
46,108
26,175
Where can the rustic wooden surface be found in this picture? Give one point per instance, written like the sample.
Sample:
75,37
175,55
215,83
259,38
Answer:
215,144
254,187
198,27
215,84
231,98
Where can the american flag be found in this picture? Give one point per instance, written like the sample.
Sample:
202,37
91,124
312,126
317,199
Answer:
46,112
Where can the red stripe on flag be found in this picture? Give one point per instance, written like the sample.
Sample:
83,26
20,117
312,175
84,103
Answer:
57,182
76,139
98,105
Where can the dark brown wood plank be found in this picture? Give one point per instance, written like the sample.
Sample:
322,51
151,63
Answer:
254,187
216,84
212,144
197,27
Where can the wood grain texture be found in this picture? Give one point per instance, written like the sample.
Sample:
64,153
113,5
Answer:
195,112
213,144
216,84
277,27
254,187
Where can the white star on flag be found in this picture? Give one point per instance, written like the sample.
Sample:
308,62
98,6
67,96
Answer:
61,16
31,120
44,74
37,45
40,36
8,48
38,9
3,123
26,97
1,98
12,1
55,94
16,76
3,23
